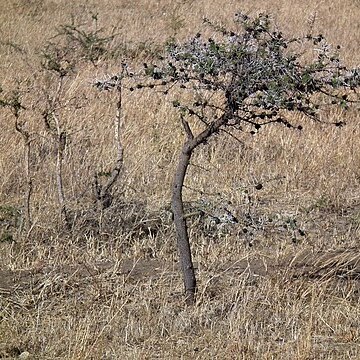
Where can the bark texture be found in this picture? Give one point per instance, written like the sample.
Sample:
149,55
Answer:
177,203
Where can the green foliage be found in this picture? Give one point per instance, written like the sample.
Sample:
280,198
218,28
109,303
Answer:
259,72
10,221
12,101
90,44
7,212
6,237
75,43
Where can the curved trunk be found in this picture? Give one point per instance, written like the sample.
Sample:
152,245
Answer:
177,205
183,243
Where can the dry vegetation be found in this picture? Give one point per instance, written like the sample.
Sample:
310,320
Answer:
281,284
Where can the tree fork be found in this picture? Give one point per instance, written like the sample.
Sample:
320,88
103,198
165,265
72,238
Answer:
177,203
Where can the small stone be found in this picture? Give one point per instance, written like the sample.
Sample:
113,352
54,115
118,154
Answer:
24,355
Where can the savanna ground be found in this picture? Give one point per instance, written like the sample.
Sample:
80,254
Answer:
282,283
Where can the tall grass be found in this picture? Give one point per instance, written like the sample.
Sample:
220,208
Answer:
117,292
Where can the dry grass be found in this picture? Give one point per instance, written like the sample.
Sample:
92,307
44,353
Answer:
285,288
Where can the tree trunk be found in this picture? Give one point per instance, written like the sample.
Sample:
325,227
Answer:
177,205
61,143
183,243
29,185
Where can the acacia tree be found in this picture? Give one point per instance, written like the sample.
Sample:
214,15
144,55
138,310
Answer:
245,79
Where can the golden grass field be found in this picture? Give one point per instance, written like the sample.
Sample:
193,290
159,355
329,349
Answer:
284,283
